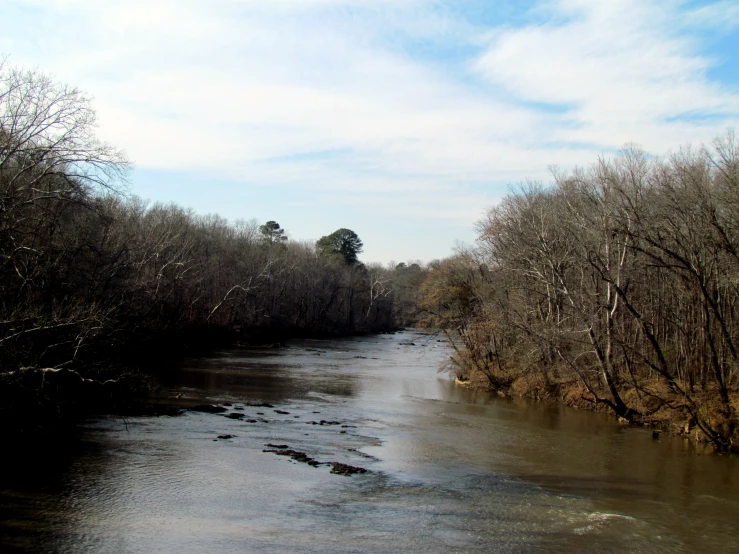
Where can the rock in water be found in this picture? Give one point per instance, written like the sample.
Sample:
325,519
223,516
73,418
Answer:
344,469
208,409
295,455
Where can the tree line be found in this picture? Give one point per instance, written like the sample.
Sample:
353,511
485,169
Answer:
619,281
89,274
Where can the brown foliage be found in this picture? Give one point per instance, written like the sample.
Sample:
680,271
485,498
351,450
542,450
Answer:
622,277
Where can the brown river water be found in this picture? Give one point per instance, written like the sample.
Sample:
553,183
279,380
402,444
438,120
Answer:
449,470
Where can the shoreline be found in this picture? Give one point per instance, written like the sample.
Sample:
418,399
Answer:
571,393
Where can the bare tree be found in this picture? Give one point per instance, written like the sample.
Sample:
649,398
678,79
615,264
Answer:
623,276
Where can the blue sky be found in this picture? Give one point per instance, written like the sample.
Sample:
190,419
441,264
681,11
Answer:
400,119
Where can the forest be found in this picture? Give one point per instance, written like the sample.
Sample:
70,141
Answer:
614,287
95,283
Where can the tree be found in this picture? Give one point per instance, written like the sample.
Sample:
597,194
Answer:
272,233
91,281
50,165
622,278
47,134
406,284
342,241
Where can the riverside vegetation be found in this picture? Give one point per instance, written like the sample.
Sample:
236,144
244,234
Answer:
614,288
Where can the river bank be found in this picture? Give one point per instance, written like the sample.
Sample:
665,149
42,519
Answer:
662,416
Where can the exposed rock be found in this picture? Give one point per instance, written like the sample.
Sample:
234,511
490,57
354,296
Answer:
344,469
278,446
282,412
235,415
364,455
295,455
208,409
259,405
226,436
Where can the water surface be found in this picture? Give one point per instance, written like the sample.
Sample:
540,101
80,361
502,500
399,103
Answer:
450,470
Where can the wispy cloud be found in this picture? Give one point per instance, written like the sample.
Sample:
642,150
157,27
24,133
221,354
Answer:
619,68
378,101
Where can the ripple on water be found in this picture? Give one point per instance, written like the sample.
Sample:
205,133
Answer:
451,470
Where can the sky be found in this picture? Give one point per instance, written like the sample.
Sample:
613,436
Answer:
403,120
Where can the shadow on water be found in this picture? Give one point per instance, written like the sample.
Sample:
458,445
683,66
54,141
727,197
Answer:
38,483
257,375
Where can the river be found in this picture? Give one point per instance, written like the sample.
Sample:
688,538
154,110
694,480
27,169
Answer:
449,470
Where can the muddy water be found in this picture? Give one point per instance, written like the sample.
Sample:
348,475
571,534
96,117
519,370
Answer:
449,470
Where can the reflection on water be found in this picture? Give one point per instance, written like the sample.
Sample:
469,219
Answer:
275,375
451,470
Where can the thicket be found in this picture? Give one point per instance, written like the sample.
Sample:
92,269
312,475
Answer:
619,281
93,281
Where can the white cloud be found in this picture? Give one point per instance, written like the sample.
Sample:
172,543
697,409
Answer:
721,15
248,89
618,70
